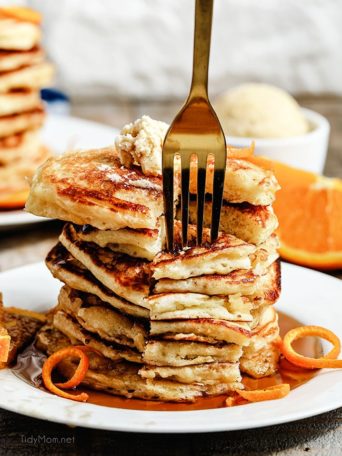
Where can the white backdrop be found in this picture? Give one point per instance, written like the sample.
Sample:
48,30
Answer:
143,48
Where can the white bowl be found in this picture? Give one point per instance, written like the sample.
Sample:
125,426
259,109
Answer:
307,151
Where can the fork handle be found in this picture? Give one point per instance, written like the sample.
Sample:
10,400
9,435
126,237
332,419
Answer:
202,37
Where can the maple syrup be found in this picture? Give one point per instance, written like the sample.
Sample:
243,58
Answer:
29,365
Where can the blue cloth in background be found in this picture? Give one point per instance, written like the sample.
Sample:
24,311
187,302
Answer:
56,102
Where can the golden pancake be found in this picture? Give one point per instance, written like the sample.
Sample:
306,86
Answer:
253,224
207,374
19,148
226,254
31,77
15,177
15,123
74,331
17,101
140,243
244,182
213,329
240,281
261,363
66,268
126,276
92,188
187,353
172,306
18,35
94,316
11,60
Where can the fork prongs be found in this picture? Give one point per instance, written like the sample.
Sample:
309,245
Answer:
218,185
168,185
185,163
201,178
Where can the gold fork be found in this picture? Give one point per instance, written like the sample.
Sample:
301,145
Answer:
195,131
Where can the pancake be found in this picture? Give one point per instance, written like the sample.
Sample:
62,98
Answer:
210,328
140,143
91,188
240,281
11,60
261,363
18,148
49,340
18,101
94,316
126,276
260,357
122,378
186,353
141,243
267,331
171,306
66,268
18,35
265,255
244,182
263,325
15,177
27,120
262,317
74,331
226,254
207,374
253,224
30,76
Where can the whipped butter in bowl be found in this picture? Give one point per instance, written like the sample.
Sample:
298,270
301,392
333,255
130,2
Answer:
281,129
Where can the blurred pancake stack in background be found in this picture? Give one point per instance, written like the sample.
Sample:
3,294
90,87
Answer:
170,326
23,72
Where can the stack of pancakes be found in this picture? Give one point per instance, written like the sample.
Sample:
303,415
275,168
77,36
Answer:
23,72
247,213
164,326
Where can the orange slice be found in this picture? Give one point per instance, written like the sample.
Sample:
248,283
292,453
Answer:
309,209
21,13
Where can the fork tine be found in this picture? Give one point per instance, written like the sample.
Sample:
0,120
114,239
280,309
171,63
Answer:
218,184
201,177
185,198
168,179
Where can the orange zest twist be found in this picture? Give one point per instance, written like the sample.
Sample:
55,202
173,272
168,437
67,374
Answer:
266,394
75,380
293,372
327,361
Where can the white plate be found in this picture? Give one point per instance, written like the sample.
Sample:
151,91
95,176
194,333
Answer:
310,297
61,133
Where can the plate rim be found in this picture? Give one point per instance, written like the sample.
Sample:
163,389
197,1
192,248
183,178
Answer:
135,423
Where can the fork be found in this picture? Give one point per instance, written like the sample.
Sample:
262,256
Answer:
195,131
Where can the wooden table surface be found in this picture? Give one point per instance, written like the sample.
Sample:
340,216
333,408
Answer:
19,435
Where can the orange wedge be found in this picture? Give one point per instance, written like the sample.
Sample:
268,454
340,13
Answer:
309,209
21,13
